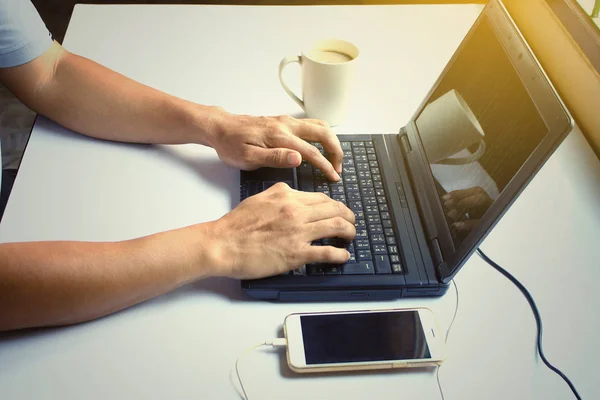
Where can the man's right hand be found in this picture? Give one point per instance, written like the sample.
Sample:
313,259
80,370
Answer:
271,233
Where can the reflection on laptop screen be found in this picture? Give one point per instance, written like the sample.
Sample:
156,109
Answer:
478,128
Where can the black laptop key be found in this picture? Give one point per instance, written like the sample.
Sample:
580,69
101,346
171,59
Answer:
385,215
333,270
353,196
373,164
379,249
355,205
375,228
370,150
359,151
369,143
305,166
371,157
393,249
359,214
319,184
348,170
376,177
339,197
387,223
364,175
350,247
367,192
348,162
359,268
395,258
373,219
365,183
383,207
381,200
314,269
346,145
388,232
362,166
371,210
331,242
351,178
337,189
397,268
377,238
352,187
369,201
352,259
361,158
382,264
390,240
360,224
363,255
362,245
362,234
378,185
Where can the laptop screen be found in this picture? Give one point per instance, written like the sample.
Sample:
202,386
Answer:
478,128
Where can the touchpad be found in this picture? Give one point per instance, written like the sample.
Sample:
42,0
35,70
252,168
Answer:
270,176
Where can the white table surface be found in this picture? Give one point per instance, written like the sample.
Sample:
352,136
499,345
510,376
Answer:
183,345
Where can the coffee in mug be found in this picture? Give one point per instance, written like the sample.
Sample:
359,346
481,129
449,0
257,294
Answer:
327,76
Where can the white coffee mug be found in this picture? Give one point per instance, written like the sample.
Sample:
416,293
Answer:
327,73
447,126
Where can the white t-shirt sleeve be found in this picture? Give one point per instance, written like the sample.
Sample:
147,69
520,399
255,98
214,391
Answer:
23,34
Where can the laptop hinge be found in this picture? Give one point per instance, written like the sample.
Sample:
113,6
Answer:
438,258
404,142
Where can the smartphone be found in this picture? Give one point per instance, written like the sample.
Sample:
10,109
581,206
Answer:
360,340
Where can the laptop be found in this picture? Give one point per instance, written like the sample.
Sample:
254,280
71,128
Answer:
426,197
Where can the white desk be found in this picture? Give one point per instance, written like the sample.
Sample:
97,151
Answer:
183,345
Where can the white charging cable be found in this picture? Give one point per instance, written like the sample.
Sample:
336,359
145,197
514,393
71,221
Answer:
279,342
437,372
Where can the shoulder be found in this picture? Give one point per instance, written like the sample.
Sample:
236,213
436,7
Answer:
23,34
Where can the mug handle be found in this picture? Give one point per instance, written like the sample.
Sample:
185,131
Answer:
466,160
282,65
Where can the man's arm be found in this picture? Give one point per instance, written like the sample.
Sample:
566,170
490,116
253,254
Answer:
88,98
58,283
91,99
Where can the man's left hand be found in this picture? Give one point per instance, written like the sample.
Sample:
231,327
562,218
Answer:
249,142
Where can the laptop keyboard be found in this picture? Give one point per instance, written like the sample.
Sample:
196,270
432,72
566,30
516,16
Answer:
374,249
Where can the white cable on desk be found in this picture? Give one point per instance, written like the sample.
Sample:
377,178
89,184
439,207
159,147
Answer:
279,342
437,372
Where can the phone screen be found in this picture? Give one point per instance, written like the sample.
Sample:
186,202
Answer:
363,337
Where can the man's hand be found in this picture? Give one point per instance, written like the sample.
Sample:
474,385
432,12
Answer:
248,142
271,233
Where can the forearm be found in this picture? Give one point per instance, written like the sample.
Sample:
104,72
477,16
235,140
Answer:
91,99
57,283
